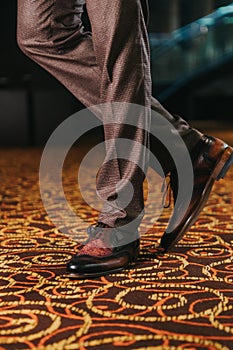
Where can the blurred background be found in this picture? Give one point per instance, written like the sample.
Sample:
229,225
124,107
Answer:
191,61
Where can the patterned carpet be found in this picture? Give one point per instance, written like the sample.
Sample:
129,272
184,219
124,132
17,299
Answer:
183,300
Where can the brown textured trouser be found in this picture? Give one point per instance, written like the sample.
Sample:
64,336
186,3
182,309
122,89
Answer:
110,65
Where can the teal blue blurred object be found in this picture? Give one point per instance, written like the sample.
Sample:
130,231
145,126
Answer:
190,51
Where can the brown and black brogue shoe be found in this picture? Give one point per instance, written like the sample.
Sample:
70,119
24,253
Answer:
107,251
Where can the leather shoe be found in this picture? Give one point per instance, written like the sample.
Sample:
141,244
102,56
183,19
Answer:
211,163
106,251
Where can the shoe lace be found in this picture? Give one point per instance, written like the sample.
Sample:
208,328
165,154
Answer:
94,232
167,191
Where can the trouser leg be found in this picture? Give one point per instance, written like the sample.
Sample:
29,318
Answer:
120,38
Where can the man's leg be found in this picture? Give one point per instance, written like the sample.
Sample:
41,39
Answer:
119,38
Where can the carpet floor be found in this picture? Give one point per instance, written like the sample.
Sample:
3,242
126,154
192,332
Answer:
182,300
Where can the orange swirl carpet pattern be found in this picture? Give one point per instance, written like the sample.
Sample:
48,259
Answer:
183,300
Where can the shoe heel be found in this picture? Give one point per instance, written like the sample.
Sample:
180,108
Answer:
225,163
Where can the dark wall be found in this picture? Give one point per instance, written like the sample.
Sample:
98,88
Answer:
32,102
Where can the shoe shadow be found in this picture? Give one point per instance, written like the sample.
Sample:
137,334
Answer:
148,254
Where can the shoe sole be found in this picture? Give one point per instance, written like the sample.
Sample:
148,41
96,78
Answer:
219,172
103,273
93,275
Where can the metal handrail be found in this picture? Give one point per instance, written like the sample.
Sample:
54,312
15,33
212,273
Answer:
193,49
